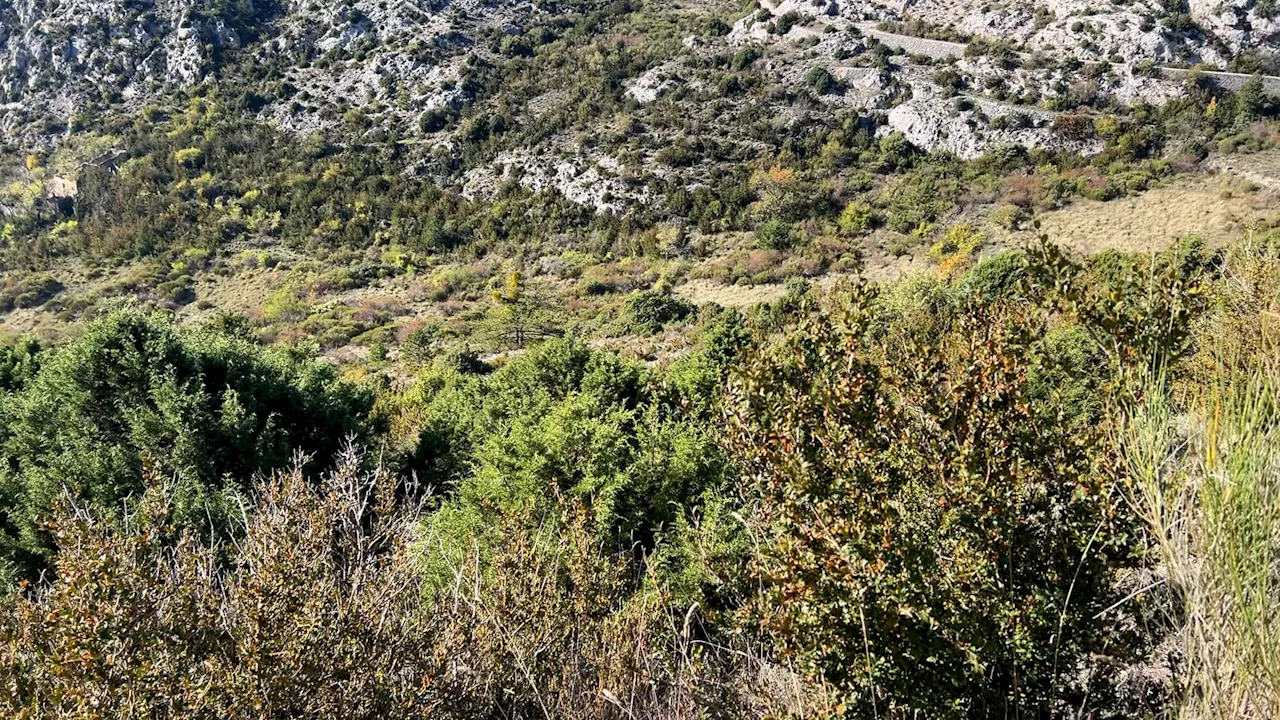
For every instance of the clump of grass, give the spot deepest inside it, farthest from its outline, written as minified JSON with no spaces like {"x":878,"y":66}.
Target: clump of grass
{"x":1208,"y":484}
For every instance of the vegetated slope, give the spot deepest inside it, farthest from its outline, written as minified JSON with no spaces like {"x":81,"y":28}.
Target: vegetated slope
{"x":415,"y":69}
{"x":367,"y":170}
{"x":925,"y":499}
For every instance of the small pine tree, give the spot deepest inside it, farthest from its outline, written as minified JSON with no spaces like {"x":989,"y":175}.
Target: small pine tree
{"x":522,"y":312}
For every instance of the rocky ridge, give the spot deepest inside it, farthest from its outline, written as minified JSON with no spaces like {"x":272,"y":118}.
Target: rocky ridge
{"x":347,"y":69}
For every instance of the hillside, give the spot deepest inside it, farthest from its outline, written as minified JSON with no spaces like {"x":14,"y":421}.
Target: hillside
{"x":397,"y":161}
{"x":620,"y":359}
{"x":515,"y":69}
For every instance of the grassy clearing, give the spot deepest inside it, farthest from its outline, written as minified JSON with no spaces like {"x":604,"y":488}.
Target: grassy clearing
{"x":1216,"y":208}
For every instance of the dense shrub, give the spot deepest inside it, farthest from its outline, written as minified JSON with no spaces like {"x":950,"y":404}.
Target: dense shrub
{"x":318,"y":611}
{"x":956,"y":248}
{"x":27,"y":291}
{"x":696,"y":379}
{"x":996,"y":277}
{"x":913,"y":200}
{"x":650,"y":310}
{"x":19,"y":363}
{"x":133,"y":392}
{"x":856,"y":219}
{"x":1139,"y":309}
{"x":932,"y":523}
{"x":562,"y":419}
{"x":775,"y":234}
{"x":935,"y":546}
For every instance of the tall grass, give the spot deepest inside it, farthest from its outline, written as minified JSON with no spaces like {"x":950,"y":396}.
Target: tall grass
{"x":1207,"y":481}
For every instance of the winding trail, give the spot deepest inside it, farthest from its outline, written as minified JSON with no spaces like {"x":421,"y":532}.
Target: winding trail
{"x":942,"y":49}
{"x":1229,"y":164}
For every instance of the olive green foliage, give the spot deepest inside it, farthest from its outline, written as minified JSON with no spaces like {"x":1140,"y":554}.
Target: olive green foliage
{"x":856,"y":219}
{"x":209,"y":177}
{"x":910,"y":498}
{"x":821,"y":81}
{"x":135,"y":394}
{"x":26,"y":291}
{"x":696,"y":379}
{"x":914,"y":199}
{"x":932,"y":537}
{"x":650,"y":310}
{"x":995,"y":277}
{"x":19,"y":362}
{"x":775,"y":234}
{"x":1139,"y":308}
{"x":931,"y":467}
{"x":421,"y":344}
{"x":560,"y":420}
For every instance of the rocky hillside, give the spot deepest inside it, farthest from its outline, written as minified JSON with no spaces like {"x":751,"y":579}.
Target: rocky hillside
{"x":1213,"y":32}
{"x":608,"y":103}
{"x":62,"y":60}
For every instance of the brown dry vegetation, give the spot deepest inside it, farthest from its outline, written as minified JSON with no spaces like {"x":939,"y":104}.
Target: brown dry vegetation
{"x":1216,"y":208}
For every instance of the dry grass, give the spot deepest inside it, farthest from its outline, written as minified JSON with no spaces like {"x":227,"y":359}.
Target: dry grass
{"x":1216,"y":208}
{"x":1210,"y":493}
{"x":1206,"y":480}
{"x":338,"y":600}
{"x":705,"y":291}
{"x":1264,"y":163}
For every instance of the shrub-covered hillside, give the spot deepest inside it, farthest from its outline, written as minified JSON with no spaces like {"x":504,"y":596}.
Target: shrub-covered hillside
{"x":639,"y":359}
{"x":1039,"y":487}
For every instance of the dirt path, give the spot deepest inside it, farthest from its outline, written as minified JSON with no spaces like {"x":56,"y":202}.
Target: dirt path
{"x":941,"y":50}
{"x":1264,"y":171}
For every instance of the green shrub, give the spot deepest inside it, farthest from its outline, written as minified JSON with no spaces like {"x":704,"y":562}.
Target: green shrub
{"x":284,"y":305}
{"x":19,"y":362}
{"x":559,"y":420}
{"x":995,"y":278}
{"x":421,"y":344}
{"x":188,"y":156}
{"x":696,"y":378}
{"x":649,"y":311}
{"x":745,"y":56}
{"x":856,"y":219}
{"x":820,"y":80}
{"x":786,"y":21}
{"x":913,"y":200}
{"x":134,"y":394}
{"x":934,"y":547}
{"x":27,"y":291}
{"x":961,"y":240}
{"x":1009,"y":216}
{"x":775,"y":234}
